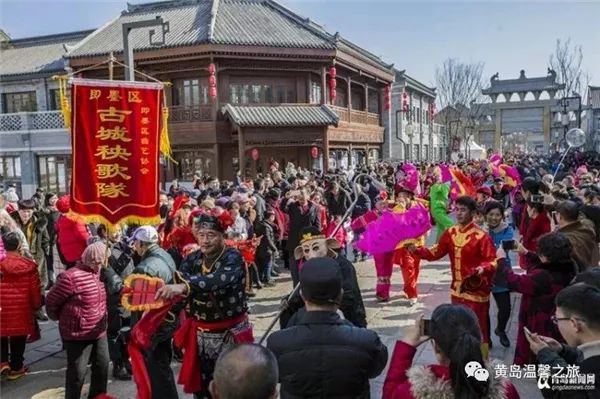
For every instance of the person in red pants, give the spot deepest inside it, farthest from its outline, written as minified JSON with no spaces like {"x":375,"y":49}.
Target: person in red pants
{"x":407,"y":185}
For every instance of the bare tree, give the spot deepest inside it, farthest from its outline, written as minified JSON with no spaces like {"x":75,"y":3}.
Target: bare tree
{"x":567,"y":62}
{"x":458,"y":82}
{"x":458,"y":87}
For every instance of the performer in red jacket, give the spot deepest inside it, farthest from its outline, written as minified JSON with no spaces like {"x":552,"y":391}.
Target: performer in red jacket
{"x":20,"y":297}
{"x":473,"y":261}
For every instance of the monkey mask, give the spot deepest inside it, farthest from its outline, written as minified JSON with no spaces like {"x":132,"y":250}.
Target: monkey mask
{"x":313,"y":244}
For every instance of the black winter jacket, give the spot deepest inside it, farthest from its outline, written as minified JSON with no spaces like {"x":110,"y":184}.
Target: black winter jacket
{"x":337,"y":206}
{"x":323,"y":356}
{"x":299,"y":220}
{"x":352,"y":306}
{"x":268,"y":244}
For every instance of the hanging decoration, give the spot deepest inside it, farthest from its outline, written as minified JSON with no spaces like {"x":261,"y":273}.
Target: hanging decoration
{"x":405,"y":102}
{"x":314,"y":152}
{"x":117,"y":130}
{"x":332,"y":84}
{"x":212,"y":81}
{"x":254,"y":154}
{"x":432,"y":111}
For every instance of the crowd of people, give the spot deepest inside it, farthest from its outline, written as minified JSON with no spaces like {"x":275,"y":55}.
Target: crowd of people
{"x":219,"y":242}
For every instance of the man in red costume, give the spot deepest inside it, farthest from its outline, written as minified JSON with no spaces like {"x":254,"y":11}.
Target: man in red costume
{"x":473,"y":263}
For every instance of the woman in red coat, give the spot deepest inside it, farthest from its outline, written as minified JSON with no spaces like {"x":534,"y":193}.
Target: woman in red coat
{"x":20,"y":298}
{"x":72,"y":235}
{"x":532,"y":228}
{"x":456,"y":340}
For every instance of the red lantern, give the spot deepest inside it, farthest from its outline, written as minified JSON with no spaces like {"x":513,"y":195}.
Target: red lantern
{"x":212,"y":81}
{"x":254,"y":154}
{"x":432,"y":111}
{"x":332,"y":72}
{"x":314,"y":152}
{"x":332,"y":83}
{"x":387,"y":101}
{"x":405,"y":102}
{"x":212,"y":68}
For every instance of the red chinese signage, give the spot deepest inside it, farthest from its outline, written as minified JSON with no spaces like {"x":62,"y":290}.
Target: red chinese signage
{"x":115,"y":130}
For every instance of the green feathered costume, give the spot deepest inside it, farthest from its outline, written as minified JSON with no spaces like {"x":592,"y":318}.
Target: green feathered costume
{"x":438,"y":205}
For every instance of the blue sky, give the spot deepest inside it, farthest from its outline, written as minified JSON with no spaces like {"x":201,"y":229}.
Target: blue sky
{"x":417,"y":36}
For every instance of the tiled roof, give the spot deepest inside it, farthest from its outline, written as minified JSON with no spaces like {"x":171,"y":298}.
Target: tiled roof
{"x":261,"y":23}
{"x":288,"y":115}
{"x":523,"y":85}
{"x":37,"y":55}
{"x":188,"y":25}
{"x":403,"y":79}
{"x":232,"y":22}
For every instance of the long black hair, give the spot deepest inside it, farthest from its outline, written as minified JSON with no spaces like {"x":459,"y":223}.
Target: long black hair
{"x":455,"y":330}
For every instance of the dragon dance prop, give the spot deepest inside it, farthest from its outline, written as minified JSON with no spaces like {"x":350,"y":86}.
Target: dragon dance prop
{"x":459,"y":183}
{"x":438,"y":203}
{"x":138,"y":295}
{"x":391,"y":228}
{"x":246,"y":247}
{"x":508,"y":173}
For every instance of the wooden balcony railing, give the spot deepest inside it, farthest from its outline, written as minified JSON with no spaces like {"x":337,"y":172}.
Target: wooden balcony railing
{"x":356,"y":116}
{"x":197,"y":113}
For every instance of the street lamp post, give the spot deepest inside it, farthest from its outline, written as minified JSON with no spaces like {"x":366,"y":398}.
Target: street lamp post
{"x":565,"y":116}
{"x":128,"y":50}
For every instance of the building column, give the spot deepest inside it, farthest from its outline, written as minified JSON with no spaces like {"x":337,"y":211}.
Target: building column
{"x":367,"y":98}
{"x":547,"y":123}
{"x":325,"y":150}
{"x":349,"y":155}
{"x":498,"y":138}
{"x":349,"y":91}
{"x":217,"y":160}
{"x":323,"y":85}
{"x":29,"y":179}
{"x":241,"y":152}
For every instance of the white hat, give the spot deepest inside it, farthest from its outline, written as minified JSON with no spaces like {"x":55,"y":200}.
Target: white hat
{"x":11,"y":196}
{"x":145,"y":234}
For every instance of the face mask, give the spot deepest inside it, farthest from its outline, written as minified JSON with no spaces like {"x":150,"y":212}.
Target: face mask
{"x":314,"y":249}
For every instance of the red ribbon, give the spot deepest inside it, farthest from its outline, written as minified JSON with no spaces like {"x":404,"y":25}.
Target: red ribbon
{"x":141,"y":340}
{"x":190,"y":375}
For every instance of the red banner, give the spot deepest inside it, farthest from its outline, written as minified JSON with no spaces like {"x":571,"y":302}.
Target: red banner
{"x":115,"y":130}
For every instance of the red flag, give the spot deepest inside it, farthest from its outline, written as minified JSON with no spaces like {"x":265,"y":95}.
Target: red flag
{"x":115,"y":129}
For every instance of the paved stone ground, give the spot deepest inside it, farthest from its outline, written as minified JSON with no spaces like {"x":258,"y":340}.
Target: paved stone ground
{"x":47,"y":361}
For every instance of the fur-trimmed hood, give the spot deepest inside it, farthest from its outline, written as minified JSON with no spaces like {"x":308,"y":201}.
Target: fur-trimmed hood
{"x":428,"y":383}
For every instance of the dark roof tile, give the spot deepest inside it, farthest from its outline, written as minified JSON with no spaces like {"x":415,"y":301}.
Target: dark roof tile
{"x":287,"y":115}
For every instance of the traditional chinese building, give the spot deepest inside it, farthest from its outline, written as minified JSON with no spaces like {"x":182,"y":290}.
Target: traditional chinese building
{"x":251,"y":82}
{"x":34,"y":144}
{"x":413,"y":134}
{"x":522,"y":113}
